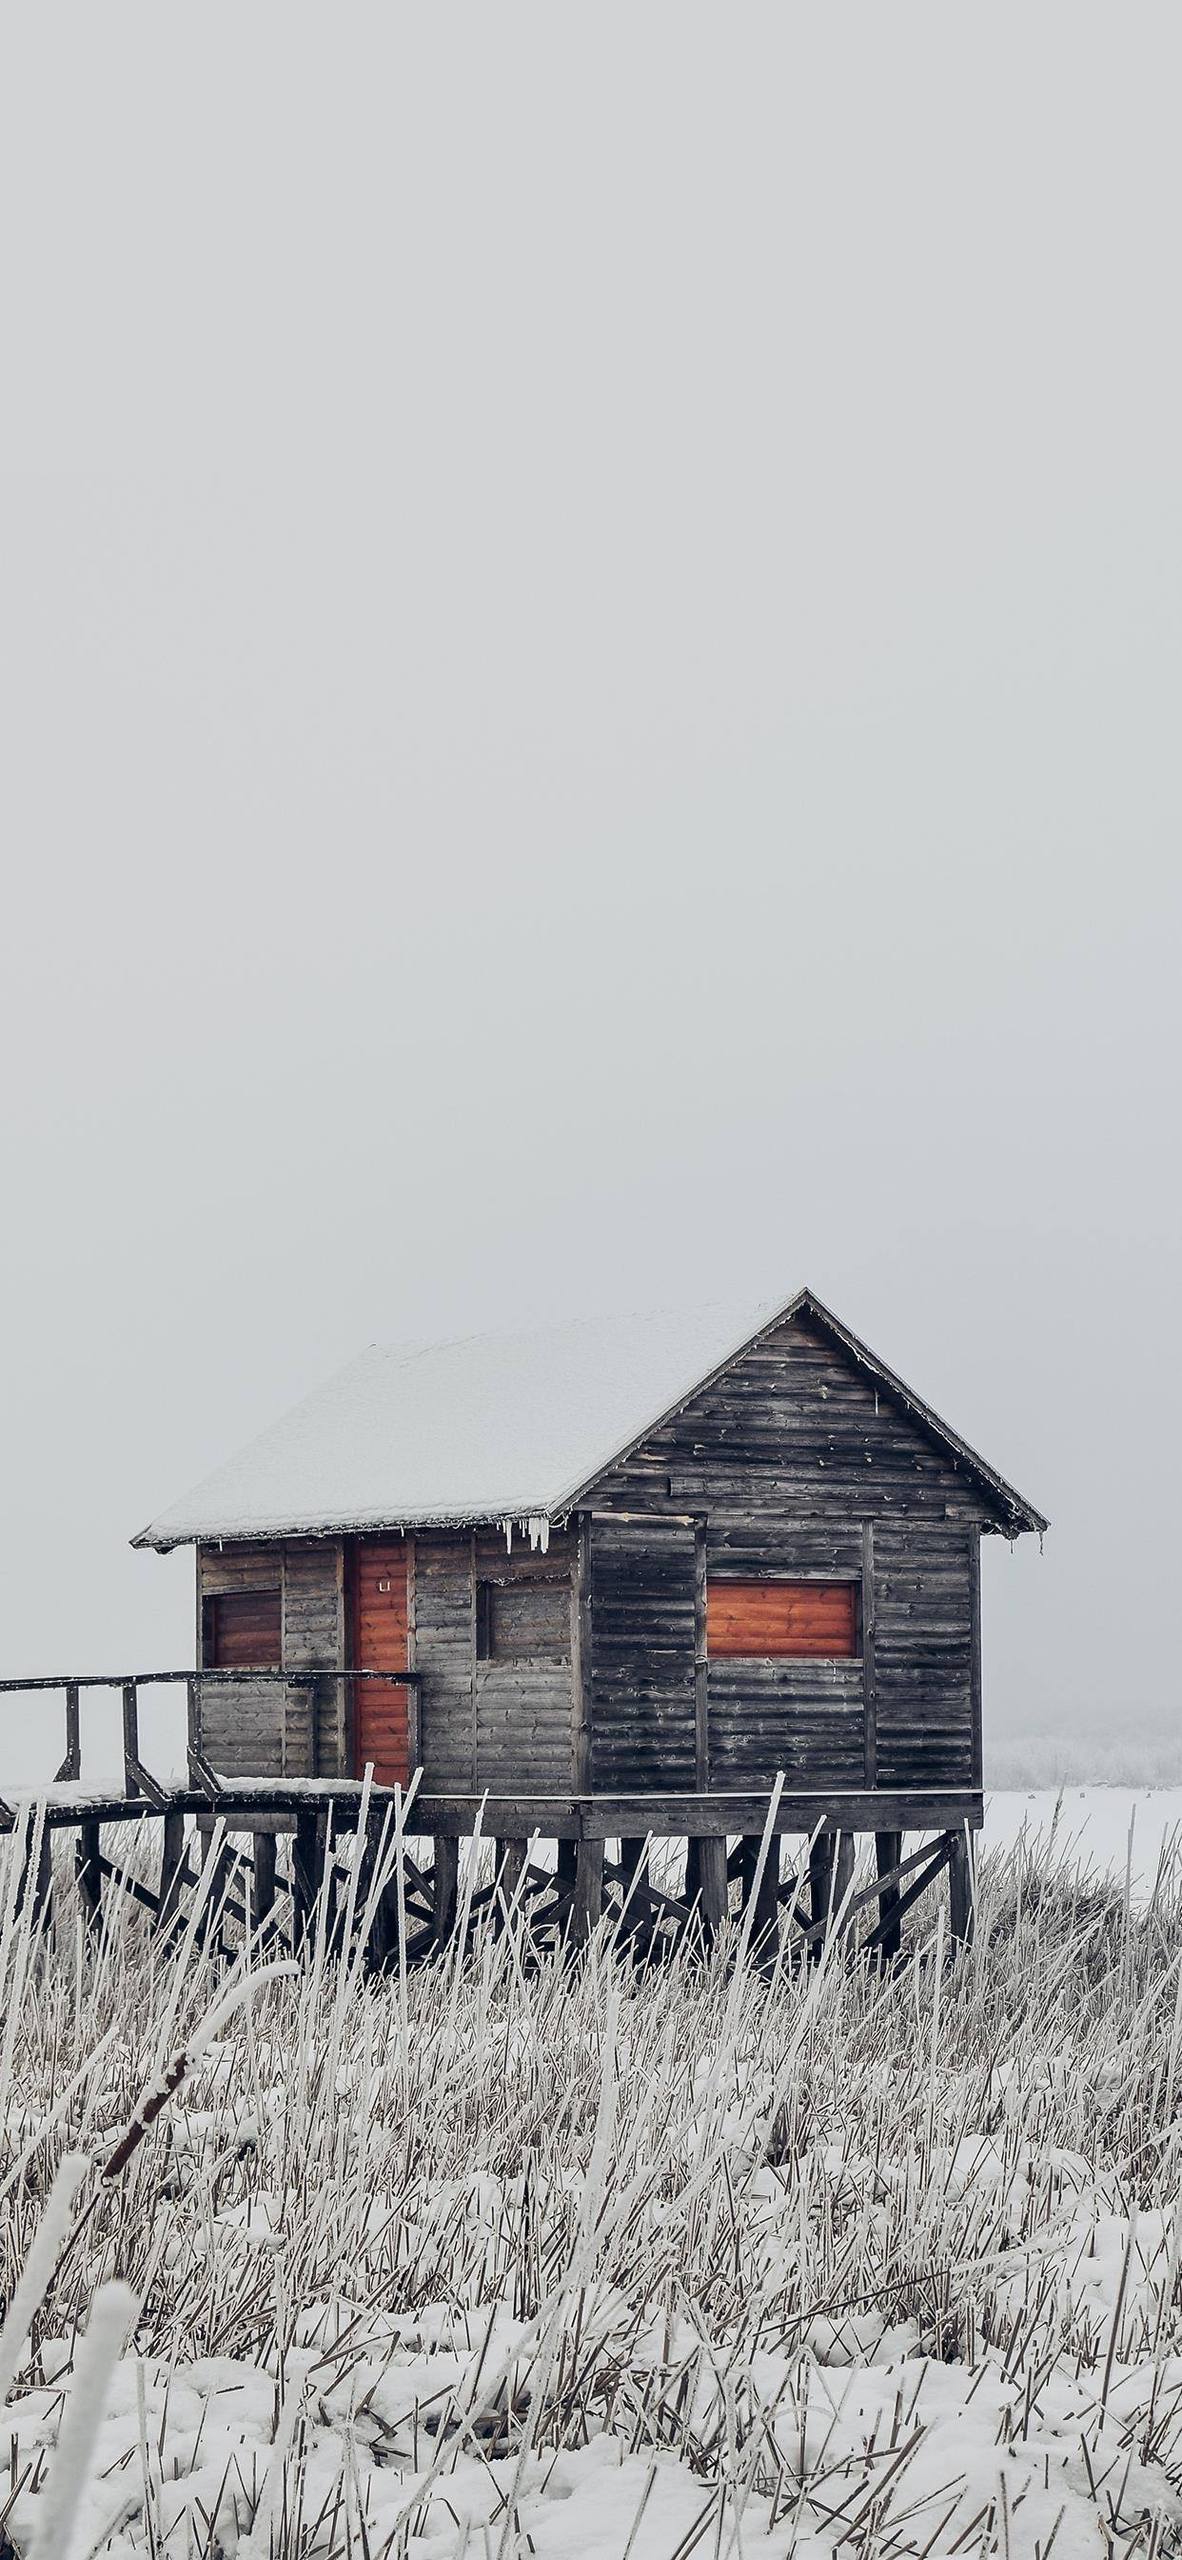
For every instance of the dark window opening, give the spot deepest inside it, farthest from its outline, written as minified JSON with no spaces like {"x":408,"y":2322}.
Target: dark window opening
{"x":523,"y":1621}
{"x":242,"y":1630}
{"x":770,"y":1620}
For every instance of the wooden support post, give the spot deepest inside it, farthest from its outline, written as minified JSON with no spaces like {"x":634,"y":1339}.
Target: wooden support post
{"x":262,"y":1886}
{"x":88,"y":1875}
{"x":888,"y":1854}
{"x":131,"y":1738}
{"x":693,"y":1872}
{"x":306,"y":1871}
{"x":565,"y":1862}
{"x":712,"y":1882}
{"x":588,"y":1902}
{"x":843,"y":1873}
{"x":447,"y":1885}
{"x":172,"y":1868}
{"x":765,"y":1927}
{"x":961,"y":1888}
{"x":510,"y":1857}
{"x":820,"y":1887}
{"x":72,"y":1764}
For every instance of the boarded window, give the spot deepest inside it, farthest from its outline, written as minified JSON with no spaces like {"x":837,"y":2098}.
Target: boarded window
{"x":523,"y":1621}
{"x":773,"y":1618}
{"x":242,"y":1631}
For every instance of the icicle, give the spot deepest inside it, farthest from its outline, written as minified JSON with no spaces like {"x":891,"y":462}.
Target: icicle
{"x":507,"y":1526}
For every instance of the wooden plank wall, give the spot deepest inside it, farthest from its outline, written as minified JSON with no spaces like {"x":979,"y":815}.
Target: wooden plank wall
{"x":788,"y":1460}
{"x":924,"y":1579}
{"x":508,"y":1726}
{"x":314,"y":1637}
{"x":263,"y":1728}
{"x":643,"y":1619}
{"x":445,"y":1654}
{"x":241,"y":1720}
{"x":524,"y":1710}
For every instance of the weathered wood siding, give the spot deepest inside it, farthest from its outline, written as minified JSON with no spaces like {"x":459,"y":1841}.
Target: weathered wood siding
{"x":643,"y":1614}
{"x":313,"y":1640}
{"x":786,"y":1461}
{"x":241,"y":1721}
{"x":270,"y":1728}
{"x":524,"y":1709}
{"x":503,"y":1725}
{"x":923,"y":1651}
{"x":445,"y":1655}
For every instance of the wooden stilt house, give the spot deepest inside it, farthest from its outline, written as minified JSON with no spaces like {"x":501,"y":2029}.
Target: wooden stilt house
{"x":617,"y":1577}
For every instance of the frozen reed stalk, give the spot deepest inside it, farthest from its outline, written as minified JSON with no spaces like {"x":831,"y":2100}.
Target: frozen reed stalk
{"x":33,"y":2282}
{"x":113,"y":2315}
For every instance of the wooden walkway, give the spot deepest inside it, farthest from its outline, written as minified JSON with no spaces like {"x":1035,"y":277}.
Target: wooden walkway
{"x":611,"y":1855}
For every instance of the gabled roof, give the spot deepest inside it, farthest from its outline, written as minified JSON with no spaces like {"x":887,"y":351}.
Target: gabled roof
{"x":505,"y":1427}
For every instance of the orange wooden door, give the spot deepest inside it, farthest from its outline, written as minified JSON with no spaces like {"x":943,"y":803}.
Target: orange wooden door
{"x":381,"y":1728}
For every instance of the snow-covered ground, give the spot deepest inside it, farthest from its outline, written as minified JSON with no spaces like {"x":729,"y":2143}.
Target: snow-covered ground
{"x":1107,"y":1829}
{"x":562,"y":2262}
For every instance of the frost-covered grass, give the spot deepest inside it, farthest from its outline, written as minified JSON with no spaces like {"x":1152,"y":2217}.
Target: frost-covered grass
{"x":581,"y":2261}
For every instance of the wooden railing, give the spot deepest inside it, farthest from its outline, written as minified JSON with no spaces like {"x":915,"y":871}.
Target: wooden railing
{"x":137,"y":1779}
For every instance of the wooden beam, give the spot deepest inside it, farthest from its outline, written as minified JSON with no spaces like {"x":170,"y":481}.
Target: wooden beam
{"x":131,"y":1738}
{"x":765,"y":1926}
{"x":961,"y":1890}
{"x":888,"y":1851}
{"x":588,"y":1901}
{"x":262,"y":1893}
{"x":71,"y":1768}
{"x":939,"y":1859}
{"x":307,"y":1868}
{"x":88,"y":1875}
{"x":712,"y":1883}
{"x":447,"y":1886}
{"x":172,"y":1867}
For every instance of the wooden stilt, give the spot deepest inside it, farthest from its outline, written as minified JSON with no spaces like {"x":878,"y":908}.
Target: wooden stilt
{"x":588,"y":1902}
{"x":693,"y":1871}
{"x":843,"y":1873}
{"x":765,"y":1928}
{"x":88,"y":1875}
{"x":262,"y":1891}
{"x":447,"y":1885}
{"x":961,"y":1889}
{"x":564,"y":1864}
{"x":306,"y":1872}
{"x":712,"y":1883}
{"x":510,"y":1855}
{"x":172,"y":1868}
{"x":888,"y":1854}
{"x":820,"y":1887}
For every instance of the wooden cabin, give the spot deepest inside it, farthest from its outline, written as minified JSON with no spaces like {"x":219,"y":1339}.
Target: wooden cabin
{"x":617,"y":1576}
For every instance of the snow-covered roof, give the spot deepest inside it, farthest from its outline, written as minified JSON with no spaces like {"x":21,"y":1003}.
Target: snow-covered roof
{"x":494,"y":1427}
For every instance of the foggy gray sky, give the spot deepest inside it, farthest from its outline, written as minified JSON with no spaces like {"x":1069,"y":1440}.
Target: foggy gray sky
{"x":590,"y":673}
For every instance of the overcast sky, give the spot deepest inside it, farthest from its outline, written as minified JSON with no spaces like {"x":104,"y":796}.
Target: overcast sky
{"x":589,"y":664}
